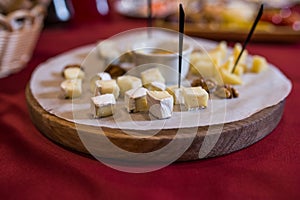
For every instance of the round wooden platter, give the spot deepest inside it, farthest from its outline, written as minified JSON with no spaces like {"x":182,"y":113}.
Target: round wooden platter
{"x":234,"y":136}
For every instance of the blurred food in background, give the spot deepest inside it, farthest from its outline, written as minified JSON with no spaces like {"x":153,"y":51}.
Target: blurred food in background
{"x":232,"y":19}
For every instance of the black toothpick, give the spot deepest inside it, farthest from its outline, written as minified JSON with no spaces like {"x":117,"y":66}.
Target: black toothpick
{"x":181,"y":32}
{"x":249,"y":35}
{"x":149,"y":17}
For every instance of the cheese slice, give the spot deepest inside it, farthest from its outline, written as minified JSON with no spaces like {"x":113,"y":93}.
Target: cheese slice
{"x":128,"y":82}
{"x":151,"y":75}
{"x":195,"y":98}
{"x":103,"y":105}
{"x":135,"y":100}
{"x":176,"y":93}
{"x":107,"y":87}
{"x":98,"y":76}
{"x":160,"y":104}
{"x":73,"y":73}
{"x":72,"y":88}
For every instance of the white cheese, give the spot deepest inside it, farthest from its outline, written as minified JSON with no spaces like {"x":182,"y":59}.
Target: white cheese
{"x":176,"y":93}
{"x":71,"y":88}
{"x":156,"y":86}
{"x":107,"y":87}
{"x":195,"y":98}
{"x":128,"y":82}
{"x":160,"y":104}
{"x":73,"y":73}
{"x":103,"y":105}
{"x":151,"y":75}
{"x":98,"y":76}
{"x":135,"y":100}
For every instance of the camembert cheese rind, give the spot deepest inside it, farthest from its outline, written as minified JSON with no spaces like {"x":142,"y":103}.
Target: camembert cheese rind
{"x":103,"y":105}
{"x":107,"y":87}
{"x":98,"y":76}
{"x":160,"y":104}
{"x":73,"y":73}
{"x":72,"y":88}
{"x":176,"y":93}
{"x":128,"y":82}
{"x":195,"y":98}
{"x":151,"y":75}
{"x":135,"y":100}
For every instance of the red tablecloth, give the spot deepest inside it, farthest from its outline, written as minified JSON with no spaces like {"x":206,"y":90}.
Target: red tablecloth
{"x":32,"y":167}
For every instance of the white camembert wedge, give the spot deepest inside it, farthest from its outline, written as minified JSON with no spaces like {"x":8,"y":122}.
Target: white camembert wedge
{"x":103,"y":105}
{"x":195,"y":98}
{"x":160,"y":104}
{"x":176,"y":93}
{"x":128,"y":82}
{"x":107,"y":87}
{"x":99,"y":76}
{"x":72,"y":88}
{"x":135,"y":100}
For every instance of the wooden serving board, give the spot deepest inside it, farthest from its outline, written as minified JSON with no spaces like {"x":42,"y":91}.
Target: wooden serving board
{"x":235,"y":136}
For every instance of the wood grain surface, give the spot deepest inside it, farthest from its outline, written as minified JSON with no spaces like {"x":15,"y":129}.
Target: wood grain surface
{"x":234,"y":136}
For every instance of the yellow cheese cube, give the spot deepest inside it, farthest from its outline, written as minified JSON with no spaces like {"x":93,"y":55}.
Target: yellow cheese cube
{"x":259,"y":64}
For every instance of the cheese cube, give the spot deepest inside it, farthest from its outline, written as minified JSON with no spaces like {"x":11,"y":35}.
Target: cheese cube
{"x":160,"y":104}
{"x":73,"y":73}
{"x":98,"y":76}
{"x":128,"y":82}
{"x":156,"y":86}
{"x":176,"y":93}
{"x":259,"y":64}
{"x":72,"y":88}
{"x":135,"y":100}
{"x":151,"y":75}
{"x":103,"y":105}
{"x":107,"y":87}
{"x":195,"y":98}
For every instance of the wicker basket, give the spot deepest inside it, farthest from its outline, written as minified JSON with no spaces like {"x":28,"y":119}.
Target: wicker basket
{"x":18,"y":36}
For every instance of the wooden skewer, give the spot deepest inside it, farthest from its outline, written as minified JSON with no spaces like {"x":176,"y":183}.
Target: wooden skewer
{"x":249,"y":35}
{"x":181,"y":32}
{"x":149,"y":17}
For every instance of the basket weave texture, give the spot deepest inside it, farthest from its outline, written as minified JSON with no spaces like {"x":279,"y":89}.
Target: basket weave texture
{"x":19,"y":32}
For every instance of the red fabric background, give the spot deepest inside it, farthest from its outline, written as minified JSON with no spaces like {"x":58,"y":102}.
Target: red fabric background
{"x":32,"y":167}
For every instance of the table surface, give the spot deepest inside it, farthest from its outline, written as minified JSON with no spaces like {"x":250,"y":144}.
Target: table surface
{"x":32,"y":167}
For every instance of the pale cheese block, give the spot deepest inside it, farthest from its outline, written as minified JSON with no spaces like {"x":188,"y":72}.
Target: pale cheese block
{"x":72,"y":88}
{"x":128,"y":82}
{"x":160,"y":104}
{"x":176,"y":93}
{"x":259,"y":64}
{"x":103,"y":105}
{"x":98,"y":76}
{"x":107,"y":87}
{"x":135,"y":100}
{"x":151,"y":75}
{"x":195,"y":98}
{"x":73,"y":73}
